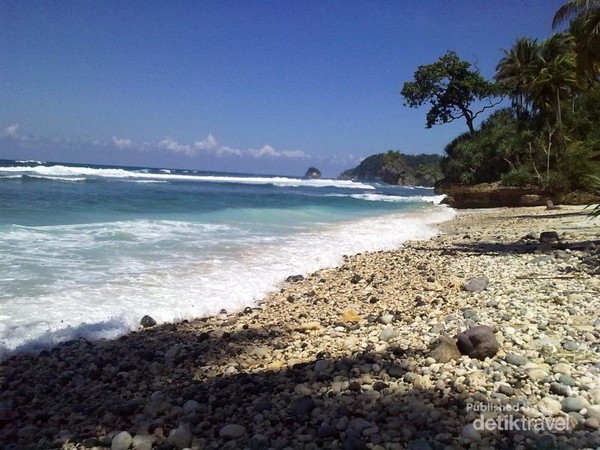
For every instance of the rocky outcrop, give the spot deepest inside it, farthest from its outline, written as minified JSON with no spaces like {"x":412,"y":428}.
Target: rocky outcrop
{"x":398,"y":169}
{"x":493,"y":195}
{"x":313,"y":173}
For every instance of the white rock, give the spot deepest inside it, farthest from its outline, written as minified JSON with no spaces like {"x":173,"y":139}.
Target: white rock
{"x":594,"y":396}
{"x":121,"y":441}
{"x":537,"y":374}
{"x":549,"y":406}
{"x":562,"y":368}
{"x":143,"y":441}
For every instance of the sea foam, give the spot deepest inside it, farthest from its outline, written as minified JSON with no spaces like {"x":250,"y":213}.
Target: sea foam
{"x":107,"y":286}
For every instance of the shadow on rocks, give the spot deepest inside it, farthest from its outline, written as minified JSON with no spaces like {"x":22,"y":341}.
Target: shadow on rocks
{"x":233,"y":390}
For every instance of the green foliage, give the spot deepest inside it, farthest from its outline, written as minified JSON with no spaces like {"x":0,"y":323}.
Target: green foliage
{"x":488,"y":153}
{"x":394,"y":167}
{"x":518,"y":177}
{"x":550,"y":136}
{"x":452,"y":88}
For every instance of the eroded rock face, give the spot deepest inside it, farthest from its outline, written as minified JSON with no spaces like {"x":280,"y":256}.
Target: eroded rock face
{"x":478,"y":342}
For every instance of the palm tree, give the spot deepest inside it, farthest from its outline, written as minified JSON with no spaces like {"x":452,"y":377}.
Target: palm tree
{"x":584,"y":18}
{"x":516,"y":71}
{"x":555,"y":79}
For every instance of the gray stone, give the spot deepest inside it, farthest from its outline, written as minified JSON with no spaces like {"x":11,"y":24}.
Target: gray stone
{"x":359,"y":424}
{"x":469,"y":432}
{"x":232,"y":431}
{"x":181,"y":437}
{"x":477,"y":284}
{"x":469,"y":314}
{"x":396,"y":371}
{"x":302,"y":407}
{"x":592,"y":423}
{"x":516,"y":360}
{"x":419,"y":444}
{"x":121,"y":441}
{"x":126,"y":408}
{"x":445,"y":350}
{"x":548,"y":237}
{"x":570,"y":346}
{"x":321,"y":365}
{"x":560,"y":389}
{"x":327,"y":432}
{"x":190,"y":407}
{"x":572,"y":404}
{"x":567,"y":380}
{"x":506,"y":389}
{"x":387,"y":334}
{"x":157,"y":407}
{"x":478,"y":342}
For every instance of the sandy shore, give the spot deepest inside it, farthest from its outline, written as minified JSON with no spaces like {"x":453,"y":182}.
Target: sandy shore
{"x":343,"y":358}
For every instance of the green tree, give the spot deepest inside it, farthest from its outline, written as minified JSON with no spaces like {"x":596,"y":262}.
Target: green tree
{"x":556,"y":79}
{"x":584,"y":18}
{"x":453,"y":89}
{"x":516,"y":71}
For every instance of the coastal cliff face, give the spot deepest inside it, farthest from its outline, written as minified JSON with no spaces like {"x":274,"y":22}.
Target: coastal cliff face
{"x":398,"y":169}
{"x":493,"y":195}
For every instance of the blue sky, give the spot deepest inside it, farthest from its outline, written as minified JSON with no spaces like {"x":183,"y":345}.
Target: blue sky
{"x":245,"y":86}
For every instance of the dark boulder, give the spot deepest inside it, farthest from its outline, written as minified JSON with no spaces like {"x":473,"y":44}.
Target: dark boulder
{"x":548,"y":237}
{"x":478,"y":342}
{"x":294,"y":278}
{"x":147,"y":322}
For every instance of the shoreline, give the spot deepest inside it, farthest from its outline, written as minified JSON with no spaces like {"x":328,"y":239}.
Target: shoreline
{"x":341,"y":358}
{"x":316,"y":248}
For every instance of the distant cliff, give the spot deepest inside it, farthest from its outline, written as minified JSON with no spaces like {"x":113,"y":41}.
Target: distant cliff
{"x":396,"y":168}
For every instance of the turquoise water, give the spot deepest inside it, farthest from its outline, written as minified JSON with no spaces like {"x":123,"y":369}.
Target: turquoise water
{"x":88,"y":250}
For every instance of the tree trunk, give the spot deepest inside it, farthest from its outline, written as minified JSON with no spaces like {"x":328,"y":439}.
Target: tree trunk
{"x":469,"y":120}
{"x":558,"y":112}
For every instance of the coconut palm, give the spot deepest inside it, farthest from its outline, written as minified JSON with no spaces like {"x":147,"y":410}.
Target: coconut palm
{"x":516,"y":71}
{"x":584,"y":18}
{"x":555,"y":79}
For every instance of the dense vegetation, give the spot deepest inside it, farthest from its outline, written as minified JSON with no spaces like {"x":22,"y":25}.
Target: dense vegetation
{"x":397,"y":168}
{"x":549,"y":137}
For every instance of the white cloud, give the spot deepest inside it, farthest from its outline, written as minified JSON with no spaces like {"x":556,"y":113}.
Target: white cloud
{"x":11,"y":130}
{"x":269,"y":151}
{"x":265,"y":150}
{"x":295,"y":154}
{"x":174,"y":146}
{"x":122,"y":142}
{"x":224,"y":150}
{"x":209,"y":143}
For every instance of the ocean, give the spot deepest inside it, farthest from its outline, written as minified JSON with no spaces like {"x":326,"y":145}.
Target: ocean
{"x":86,"y":251}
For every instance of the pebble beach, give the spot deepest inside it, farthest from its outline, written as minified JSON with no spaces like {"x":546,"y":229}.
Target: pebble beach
{"x":359,"y":356}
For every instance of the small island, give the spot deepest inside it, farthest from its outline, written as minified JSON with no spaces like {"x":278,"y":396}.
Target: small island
{"x":313,"y":173}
